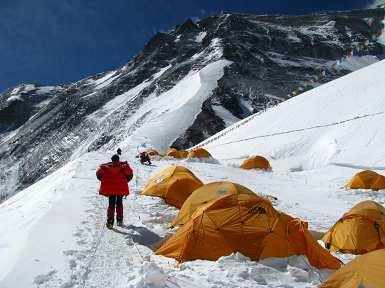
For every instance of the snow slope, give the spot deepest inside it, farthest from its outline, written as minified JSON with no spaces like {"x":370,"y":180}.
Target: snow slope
{"x":53,"y":233}
{"x":168,"y":115}
{"x":336,"y":123}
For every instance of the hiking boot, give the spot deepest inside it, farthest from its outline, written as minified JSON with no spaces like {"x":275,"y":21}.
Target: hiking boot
{"x":119,"y":222}
{"x":110,"y":223}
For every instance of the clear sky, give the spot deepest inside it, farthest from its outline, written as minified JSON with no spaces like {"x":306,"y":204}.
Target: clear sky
{"x":59,"y":41}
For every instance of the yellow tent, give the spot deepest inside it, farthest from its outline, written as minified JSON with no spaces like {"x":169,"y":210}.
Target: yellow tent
{"x":183,"y":153}
{"x":207,"y":194}
{"x":153,"y":152}
{"x":364,"y":271}
{"x":199,"y":153}
{"x":174,"y":184}
{"x":359,"y":231}
{"x":172,"y":152}
{"x":247,"y":224}
{"x":367,"y":180}
{"x":258,"y":162}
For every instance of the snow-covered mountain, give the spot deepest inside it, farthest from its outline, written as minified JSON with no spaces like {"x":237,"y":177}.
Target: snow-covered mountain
{"x":214,"y":72}
{"x":339,"y":123}
{"x":53,"y":235}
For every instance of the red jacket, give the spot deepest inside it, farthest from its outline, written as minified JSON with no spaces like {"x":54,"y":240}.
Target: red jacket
{"x":114,"y":178}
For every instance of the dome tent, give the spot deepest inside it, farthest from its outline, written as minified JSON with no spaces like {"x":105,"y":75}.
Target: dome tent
{"x":183,"y":153}
{"x":256,"y":162}
{"x":199,"y":153}
{"x":174,"y":184}
{"x":153,"y":152}
{"x":360,"y":230}
{"x":207,"y":194}
{"x":246,"y":224}
{"x":172,"y":152}
{"x":364,"y":271}
{"x":367,"y":180}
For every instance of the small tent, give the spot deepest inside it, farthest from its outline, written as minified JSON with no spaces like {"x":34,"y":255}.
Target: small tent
{"x":207,"y":194}
{"x":183,"y":153}
{"x":364,"y":271}
{"x":256,"y":162}
{"x":246,"y":224}
{"x":199,"y":153}
{"x":172,"y":152}
{"x":367,"y":180}
{"x":174,"y":184}
{"x":360,"y":230}
{"x":153,"y":152}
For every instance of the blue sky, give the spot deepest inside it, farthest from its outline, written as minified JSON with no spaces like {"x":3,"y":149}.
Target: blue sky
{"x":59,"y":41}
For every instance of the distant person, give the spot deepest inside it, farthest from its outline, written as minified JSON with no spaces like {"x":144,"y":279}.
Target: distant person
{"x":144,"y":158}
{"x":119,"y":152}
{"x":114,"y":177}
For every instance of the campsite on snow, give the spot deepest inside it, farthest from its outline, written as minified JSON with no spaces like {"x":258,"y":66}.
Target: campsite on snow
{"x":220,"y":185}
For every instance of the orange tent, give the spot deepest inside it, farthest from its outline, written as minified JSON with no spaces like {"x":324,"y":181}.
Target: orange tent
{"x":207,"y":194}
{"x":172,"y":152}
{"x":174,"y":184}
{"x":183,"y":153}
{"x":153,"y":152}
{"x":359,"y":231}
{"x":258,"y":162}
{"x":367,"y":180}
{"x":199,"y":153}
{"x":364,"y":271}
{"x":247,"y":224}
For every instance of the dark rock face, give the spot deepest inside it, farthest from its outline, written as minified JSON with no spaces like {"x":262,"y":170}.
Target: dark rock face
{"x":281,"y":56}
{"x":273,"y":58}
{"x":17,"y":105}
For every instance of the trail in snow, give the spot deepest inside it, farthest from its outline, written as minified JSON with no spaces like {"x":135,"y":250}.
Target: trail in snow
{"x":78,"y":251}
{"x":297,"y":130}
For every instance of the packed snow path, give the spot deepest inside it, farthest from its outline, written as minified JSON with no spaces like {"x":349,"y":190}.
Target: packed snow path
{"x":54,"y":232}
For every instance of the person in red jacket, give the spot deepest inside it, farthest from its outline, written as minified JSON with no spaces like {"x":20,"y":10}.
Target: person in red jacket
{"x":114,"y":177}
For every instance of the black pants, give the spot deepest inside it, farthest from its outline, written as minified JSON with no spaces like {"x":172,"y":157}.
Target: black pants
{"x":115,"y":202}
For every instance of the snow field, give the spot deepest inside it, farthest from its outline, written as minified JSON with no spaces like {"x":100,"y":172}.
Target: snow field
{"x":336,"y":123}
{"x":66,"y":244}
